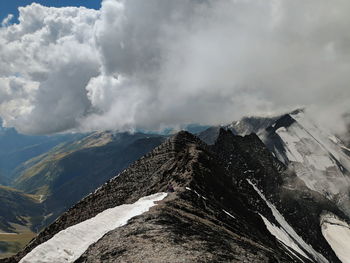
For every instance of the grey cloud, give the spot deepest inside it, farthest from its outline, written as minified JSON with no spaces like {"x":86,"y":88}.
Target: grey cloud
{"x":159,"y":63}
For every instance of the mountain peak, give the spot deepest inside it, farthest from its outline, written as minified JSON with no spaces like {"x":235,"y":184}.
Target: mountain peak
{"x":184,"y":138}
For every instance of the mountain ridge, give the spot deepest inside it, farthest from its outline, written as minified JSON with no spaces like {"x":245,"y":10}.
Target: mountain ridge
{"x":211,"y":194}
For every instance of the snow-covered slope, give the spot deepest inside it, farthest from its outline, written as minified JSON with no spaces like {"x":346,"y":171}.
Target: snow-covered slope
{"x":69,"y":244}
{"x":320,"y":159}
{"x":316,"y":156}
{"x":337,"y":234}
{"x":318,"y":169}
{"x":285,"y":233}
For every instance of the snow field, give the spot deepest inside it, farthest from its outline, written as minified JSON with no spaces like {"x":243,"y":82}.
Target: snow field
{"x":69,"y":244}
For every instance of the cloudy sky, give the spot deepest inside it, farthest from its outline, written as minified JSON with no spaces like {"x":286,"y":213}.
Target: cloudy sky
{"x":11,"y":7}
{"x":153,"y":64}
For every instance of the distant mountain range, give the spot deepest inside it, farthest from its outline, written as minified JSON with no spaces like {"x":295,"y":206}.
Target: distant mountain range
{"x":16,"y":148}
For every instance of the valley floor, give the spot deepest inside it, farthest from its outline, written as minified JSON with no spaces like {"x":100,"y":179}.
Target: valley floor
{"x":11,"y":243}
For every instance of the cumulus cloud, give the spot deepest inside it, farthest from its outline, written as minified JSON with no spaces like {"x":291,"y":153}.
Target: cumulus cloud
{"x":54,"y":48}
{"x":6,"y":21}
{"x":138,"y":64}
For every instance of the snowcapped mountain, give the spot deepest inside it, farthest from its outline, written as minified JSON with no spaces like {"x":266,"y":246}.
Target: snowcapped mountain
{"x":233,"y":202}
{"x":320,"y":159}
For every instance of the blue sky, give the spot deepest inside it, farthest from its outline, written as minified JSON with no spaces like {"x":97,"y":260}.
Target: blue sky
{"x":11,"y":6}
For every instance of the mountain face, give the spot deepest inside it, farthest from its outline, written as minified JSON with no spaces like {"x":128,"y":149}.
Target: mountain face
{"x":319,"y":159}
{"x":233,"y":202}
{"x":17,"y":148}
{"x":16,"y":208}
{"x":68,"y":172}
{"x":17,"y":212}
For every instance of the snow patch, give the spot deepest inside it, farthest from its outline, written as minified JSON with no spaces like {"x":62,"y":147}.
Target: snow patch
{"x":69,"y":244}
{"x":199,"y":195}
{"x":288,"y":229}
{"x":337,"y":234}
{"x":291,"y":144}
{"x":345,"y":148}
{"x":334,"y":139}
{"x":227,"y":213}
{"x":293,"y":252}
{"x":283,"y":236}
{"x":319,"y":162}
{"x":322,"y":138}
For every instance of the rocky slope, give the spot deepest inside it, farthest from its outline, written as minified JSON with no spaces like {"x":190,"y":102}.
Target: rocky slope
{"x":233,"y":202}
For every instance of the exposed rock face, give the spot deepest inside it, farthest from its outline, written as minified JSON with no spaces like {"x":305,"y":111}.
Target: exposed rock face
{"x":216,"y":213}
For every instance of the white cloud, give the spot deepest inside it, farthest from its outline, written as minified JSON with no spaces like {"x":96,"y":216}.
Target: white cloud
{"x":157,"y":63}
{"x":6,"y":21}
{"x":53,"y":47}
